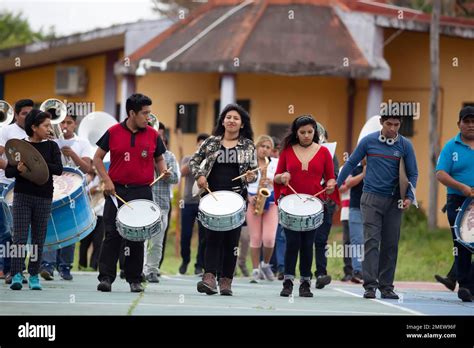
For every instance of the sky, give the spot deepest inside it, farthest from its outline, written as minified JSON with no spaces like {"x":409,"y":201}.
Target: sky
{"x":73,"y":16}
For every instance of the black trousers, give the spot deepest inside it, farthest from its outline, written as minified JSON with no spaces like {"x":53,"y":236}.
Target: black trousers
{"x":95,"y":238}
{"x":302,"y":243}
{"x":221,"y":252}
{"x":111,"y":246}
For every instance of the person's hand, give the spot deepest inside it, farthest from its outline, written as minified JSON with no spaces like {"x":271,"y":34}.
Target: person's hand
{"x":202,"y":182}
{"x":252,"y":200}
{"x":467,"y":191}
{"x":67,"y":151}
{"x":249,"y":176}
{"x":330,"y":186}
{"x":268,"y":182}
{"x":285,"y":178}
{"x":109,"y":188}
{"x":167,"y":174}
{"x":21,"y":167}
{"x":406,"y":204}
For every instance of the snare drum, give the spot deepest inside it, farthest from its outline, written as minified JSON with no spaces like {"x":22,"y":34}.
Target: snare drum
{"x":301,"y":215}
{"x":225,"y":214}
{"x":72,"y":217}
{"x":140,"y":223}
{"x":464,"y":226}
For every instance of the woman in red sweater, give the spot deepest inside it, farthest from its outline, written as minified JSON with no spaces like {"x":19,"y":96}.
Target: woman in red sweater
{"x":303,"y":163}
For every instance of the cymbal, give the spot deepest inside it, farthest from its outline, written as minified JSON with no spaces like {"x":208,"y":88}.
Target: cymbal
{"x":37,"y":169}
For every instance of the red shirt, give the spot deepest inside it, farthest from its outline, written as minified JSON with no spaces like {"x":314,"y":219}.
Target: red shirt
{"x":306,"y":181}
{"x":132,"y":155}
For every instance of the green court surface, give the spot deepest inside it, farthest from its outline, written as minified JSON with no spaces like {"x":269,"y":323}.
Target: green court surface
{"x":177,"y":295}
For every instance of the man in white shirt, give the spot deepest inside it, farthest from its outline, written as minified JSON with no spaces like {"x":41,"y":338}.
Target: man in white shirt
{"x":78,"y":154}
{"x":12,"y":131}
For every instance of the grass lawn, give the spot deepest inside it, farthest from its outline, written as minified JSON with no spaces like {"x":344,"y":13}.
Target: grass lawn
{"x":421,"y":253}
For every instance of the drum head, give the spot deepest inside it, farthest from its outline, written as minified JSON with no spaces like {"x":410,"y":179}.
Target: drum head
{"x":144,"y":213}
{"x":292,"y":204}
{"x":467,"y":224}
{"x":227,"y":203}
{"x":66,"y":183}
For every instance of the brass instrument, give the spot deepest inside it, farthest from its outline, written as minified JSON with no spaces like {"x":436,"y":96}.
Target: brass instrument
{"x":6,"y":113}
{"x":262,"y":192}
{"x":153,"y":122}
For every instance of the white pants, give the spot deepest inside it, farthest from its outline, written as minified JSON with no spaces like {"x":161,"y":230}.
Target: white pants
{"x":154,"y":248}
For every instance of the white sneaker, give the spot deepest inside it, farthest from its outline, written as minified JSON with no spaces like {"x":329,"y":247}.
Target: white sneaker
{"x":267,"y":271}
{"x":255,"y":276}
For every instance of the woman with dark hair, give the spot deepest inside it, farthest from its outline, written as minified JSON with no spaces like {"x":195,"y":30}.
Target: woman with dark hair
{"x":303,"y":163}
{"x":229,"y":153}
{"x":32,"y":202}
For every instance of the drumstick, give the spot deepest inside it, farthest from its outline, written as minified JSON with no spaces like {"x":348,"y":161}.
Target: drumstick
{"x":292,"y":189}
{"x":123,"y":201}
{"x":212,"y":194}
{"x":158,"y":178}
{"x":316,"y":194}
{"x":248,"y":171}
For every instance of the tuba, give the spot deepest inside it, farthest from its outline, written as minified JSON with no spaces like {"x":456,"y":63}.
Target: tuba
{"x":6,"y":113}
{"x":262,"y":192}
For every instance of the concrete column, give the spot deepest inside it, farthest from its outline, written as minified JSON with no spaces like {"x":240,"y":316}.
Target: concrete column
{"x":227,"y":90}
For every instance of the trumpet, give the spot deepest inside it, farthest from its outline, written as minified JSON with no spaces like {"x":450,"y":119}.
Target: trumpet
{"x":6,"y":113}
{"x":58,"y":111}
{"x":153,"y":122}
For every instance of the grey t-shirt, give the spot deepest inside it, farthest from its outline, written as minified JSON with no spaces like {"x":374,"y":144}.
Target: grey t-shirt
{"x":188,"y":184}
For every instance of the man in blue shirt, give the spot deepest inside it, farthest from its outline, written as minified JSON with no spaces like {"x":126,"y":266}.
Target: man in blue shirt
{"x":382,"y":203}
{"x":455,"y":170}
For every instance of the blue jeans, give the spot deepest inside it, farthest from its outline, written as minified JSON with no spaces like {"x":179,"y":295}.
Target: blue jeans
{"x":5,"y":230}
{"x":280,"y":246}
{"x":356,"y":233}
{"x":59,"y":259}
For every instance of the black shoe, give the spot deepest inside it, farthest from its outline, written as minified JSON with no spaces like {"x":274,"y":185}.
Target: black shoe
{"x":465,"y":295}
{"x":346,"y":278}
{"x":322,"y":281}
{"x":447,"y":282}
{"x":8,"y":278}
{"x":198,"y":271}
{"x":281,"y":275}
{"x":105,"y":286}
{"x":136,"y":287}
{"x":305,"y":289}
{"x":47,"y":274}
{"x":122,"y":274}
{"x":357,"y":278}
{"x":287,"y":288}
{"x":183,"y":268}
{"x":66,"y":273}
{"x":389,"y":294}
{"x":369,"y":293}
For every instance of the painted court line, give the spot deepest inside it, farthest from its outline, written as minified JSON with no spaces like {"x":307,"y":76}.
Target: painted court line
{"x":411,"y":311}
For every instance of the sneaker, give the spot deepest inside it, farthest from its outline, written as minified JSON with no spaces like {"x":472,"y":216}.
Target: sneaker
{"x":152,"y":278}
{"x":47,"y":273}
{"x":305,"y":289}
{"x":8,"y":278}
{"x":122,"y":274}
{"x":104,"y":286}
{"x":287,"y":288}
{"x":35,"y":283}
{"x":198,"y":271}
{"x":357,"y":277}
{"x":322,"y":281}
{"x":208,"y":284}
{"x":369,"y":293}
{"x":255,"y":276}
{"x":24,"y":281}
{"x":65,"y":273}
{"x":389,"y":294}
{"x":225,"y":286}
{"x":183,"y":268}
{"x":464,"y":295}
{"x":346,"y":278}
{"x":136,"y":287}
{"x":267,"y":271}
{"x":281,"y":275}
{"x":446,"y":281}
{"x":17,"y":281}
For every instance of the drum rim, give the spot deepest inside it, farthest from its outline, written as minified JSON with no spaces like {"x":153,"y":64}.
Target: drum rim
{"x":457,"y":223}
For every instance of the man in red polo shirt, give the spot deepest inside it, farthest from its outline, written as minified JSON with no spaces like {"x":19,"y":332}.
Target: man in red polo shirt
{"x":136,"y":150}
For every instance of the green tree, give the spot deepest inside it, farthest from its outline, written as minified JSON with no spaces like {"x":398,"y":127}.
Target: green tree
{"x":15,"y":30}
{"x":172,"y":8}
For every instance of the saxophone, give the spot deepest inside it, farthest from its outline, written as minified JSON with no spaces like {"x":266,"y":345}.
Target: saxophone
{"x":262,"y":192}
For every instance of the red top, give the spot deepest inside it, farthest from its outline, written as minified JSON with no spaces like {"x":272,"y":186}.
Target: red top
{"x":132,"y":155}
{"x":306,"y":181}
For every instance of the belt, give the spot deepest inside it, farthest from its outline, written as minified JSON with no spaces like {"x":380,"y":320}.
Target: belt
{"x":130,"y":185}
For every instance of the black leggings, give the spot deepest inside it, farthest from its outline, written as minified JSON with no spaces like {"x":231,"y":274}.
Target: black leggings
{"x":221,"y":252}
{"x":301,"y":242}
